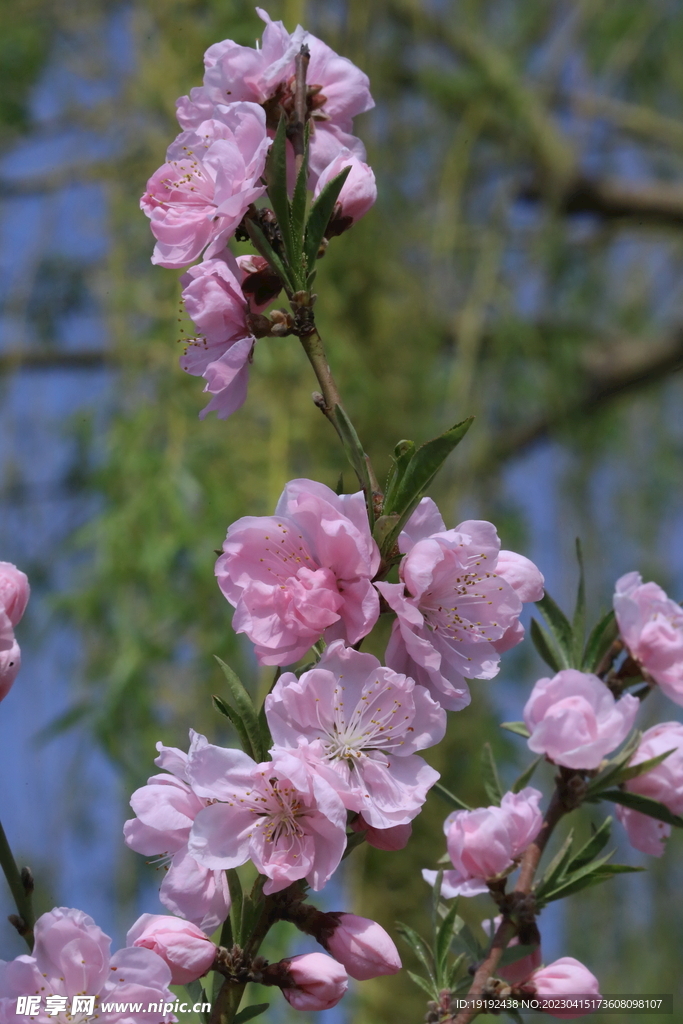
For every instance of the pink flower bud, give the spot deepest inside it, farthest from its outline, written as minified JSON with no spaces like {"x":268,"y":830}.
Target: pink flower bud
{"x":358,"y":193}
{"x":14,"y":591}
{"x":319,"y":982}
{"x":564,"y":977}
{"x":184,"y":947}
{"x":363,"y":947}
{"x":664,"y":783}
{"x":394,"y":838}
{"x":574,"y":719}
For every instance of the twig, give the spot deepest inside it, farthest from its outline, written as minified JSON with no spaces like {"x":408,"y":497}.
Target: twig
{"x":21,"y":887}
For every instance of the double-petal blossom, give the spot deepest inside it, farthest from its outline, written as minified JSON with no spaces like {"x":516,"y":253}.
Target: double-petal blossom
{"x":663,"y":783}
{"x":285,"y":819}
{"x":652,"y":627}
{"x":166,"y":808}
{"x":301,"y":573}
{"x":211,"y":176}
{"x":457,"y":605}
{"x":363,"y":724}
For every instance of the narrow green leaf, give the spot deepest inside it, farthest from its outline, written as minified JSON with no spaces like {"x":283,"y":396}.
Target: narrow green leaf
{"x":403,"y":453}
{"x":237,"y":903}
{"x":579,"y":620}
{"x":356,"y":456}
{"x":612,"y":769}
{"x":514,"y":953}
{"x":276,"y":179}
{"x":236,"y":722}
{"x":444,"y":937}
{"x":436,"y":897}
{"x":249,"y":1012}
{"x":298,"y":207}
{"x":556,"y":868}
{"x":489,"y":775}
{"x":241,"y":703}
{"x":525,"y":777}
{"x":266,"y":250}
{"x":466,"y":937}
{"x":644,"y":804}
{"x":420,"y":948}
{"x":450,"y":798}
{"x":599,"y":642}
{"x":517,"y":727}
{"x":454,"y":968}
{"x":592,"y":874}
{"x":560,"y":627}
{"x":197,"y":994}
{"x":592,"y":847}
{"x":545,"y":647}
{"x":320,"y":214}
{"x":634,"y":770}
{"x":431,"y":990}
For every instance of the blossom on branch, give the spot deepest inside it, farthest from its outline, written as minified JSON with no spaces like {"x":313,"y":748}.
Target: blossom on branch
{"x":575,"y":721}
{"x":14,"y":595}
{"x":363,"y":724}
{"x":457,"y":605}
{"x":314,"y":981}
{"x":185,"y":948}
{"x":664,"y":783}
{"x":71,"y":958}
{"x":565,"y":977}
{"x":211,"y":176}
{"x":300,"y":574}
{"x":358,"y":194}
{"x":486,"y":842}
{"x":362,"y":946}
{"x":651,"y":625}
{"x":165,"y":809}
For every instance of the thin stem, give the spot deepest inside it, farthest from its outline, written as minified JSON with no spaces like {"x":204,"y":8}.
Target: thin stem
{"x":21,"y":892}
{"x":313,"y":347}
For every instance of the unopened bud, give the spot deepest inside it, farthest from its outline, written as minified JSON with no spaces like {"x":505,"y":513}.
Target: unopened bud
{"x":313,"y":981}
{"x":182,"y":945}
{"x":362,"y":946}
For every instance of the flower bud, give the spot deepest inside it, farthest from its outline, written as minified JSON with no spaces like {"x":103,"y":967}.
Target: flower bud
{"x":317,"y":982}
{"x":664,"y":783}
{"x":14,"y":591}
{"x":363,"y":947}
{"x":10,"y":655}
{"x":184,"y":947}
{"x":358,"y":193}
{"x":564,"y":977}
{"x":394,"y":838}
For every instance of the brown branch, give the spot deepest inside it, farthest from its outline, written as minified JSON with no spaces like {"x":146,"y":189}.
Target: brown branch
{"x":35,"y":359}
{"x":649,"y":203}
{"x":298,"y":127}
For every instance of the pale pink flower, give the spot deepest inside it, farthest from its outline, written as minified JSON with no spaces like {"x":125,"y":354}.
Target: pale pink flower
{"x":366,"y":722}
{"x":180,"y":944}
{"x":211,"y":176}
{"x":289,"y":829}
{"x":165,"y":809}
{"x":71,"y":958}
{"x":338,"y":90}
{"x":14,"y":592}
{"x":317,"y":981}
{"x":389,"y":839}
{"x":363,"y":947}
{"x":10,"y":655}
{"x":565,"y":977}
{"x":302,"y":573}
{"x":486,"y":842}
{"x":455,"y":609}
{"x":574,"y":719}
{"x":358,"y":194}
{"x":664,"y":783}
{"x":651,"y":625}
{"x":519,"y":970}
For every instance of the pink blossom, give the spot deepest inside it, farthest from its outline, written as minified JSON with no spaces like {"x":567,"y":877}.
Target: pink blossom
{"x":389,"y":839}
{"x":71,"y":957}
{"x":184,"y":947}
{"x":165,"y":809}
{"x":14,"y":592}
{"x":652,"y":627}
{"x":366,"y":722}
{"x":455,"y":610}
{"x":519,"y":970}
{"x":564,"y":977}
{"x":10,"y":655}
{"x":289,"y":829}
{"x":302,"y":573}
{"x":574,"y":719}
{"x":486,"y":842}
{"x":338,"y":90}
{"x":211,"y":176}
{"x":664,"y":783}
{"x":363,"y":947}
{"x":358,"y":194}
{"x":317,"y":981}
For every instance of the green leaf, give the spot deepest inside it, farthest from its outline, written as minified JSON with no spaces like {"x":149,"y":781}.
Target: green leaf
{"x":546,"y":647}
{"x":579,"y":620}
{"x":235,"y":721}
{"x":450,"y":798}
{"x":644,"y":804}
{"x":444,"y":937}
{"x":276,"y":179}
{"x":560,"y":627}
{"x":431,"y":990}
{"x":403,"y":453}
{"x":241,"y":704}
{"x":612,"y":769}
{"x":634,"y":770}
{"x":514,"y":953}
{"x":489,"y":774}
{"x":320,"y":214}
{"x":592,"y":874}
{"x":236,"y":903}
{"x":356,"y":456}
{"x":266,"y":250}
{"x":454,"y":968}
{"x":592,"y":847}
{"x":525,"y":777}
{"x":197,"y":994}
{"x":421,"y":470}
{"x":298,"y":207}
{"x":555,"y":870}
{"x":436,"y":896}
{"x":385,"y":527}
{"x":599,"y":642}
{"x":517,"y":727}
{"x":420,"y":948}
{"x":249,"y":1012}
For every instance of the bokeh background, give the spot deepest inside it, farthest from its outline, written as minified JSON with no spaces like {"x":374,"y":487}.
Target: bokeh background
{"x":522,"y":264}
